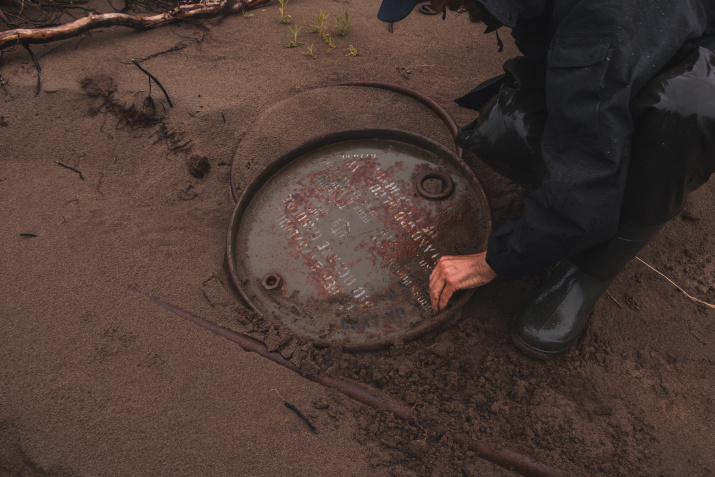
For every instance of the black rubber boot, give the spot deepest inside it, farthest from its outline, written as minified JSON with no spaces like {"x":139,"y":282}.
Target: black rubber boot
{"x":555,"y":318}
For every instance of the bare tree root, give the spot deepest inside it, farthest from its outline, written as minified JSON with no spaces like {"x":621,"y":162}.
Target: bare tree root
{"x":26,"y":36}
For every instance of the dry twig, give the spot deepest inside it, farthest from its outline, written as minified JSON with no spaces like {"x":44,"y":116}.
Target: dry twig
{"x":614,"y":300}
{"x":696,"y":300}
{"x":70,"y":168}
{"x":25,"y":36}
{"x":155,"y":81}
{"x":417,"y":422}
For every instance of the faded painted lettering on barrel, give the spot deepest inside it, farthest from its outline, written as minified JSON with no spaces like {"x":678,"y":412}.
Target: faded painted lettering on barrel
{"x":303,"y":223}
{"x":353,"y":239}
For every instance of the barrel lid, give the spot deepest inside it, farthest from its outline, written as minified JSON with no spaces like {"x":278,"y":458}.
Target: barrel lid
{"x":337,"y":237}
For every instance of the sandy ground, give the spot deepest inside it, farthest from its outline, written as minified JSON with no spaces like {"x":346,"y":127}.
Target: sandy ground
{"x":95,"y":379}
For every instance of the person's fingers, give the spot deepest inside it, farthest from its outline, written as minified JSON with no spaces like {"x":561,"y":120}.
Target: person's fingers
{"x":444,"y":297}
{"x":454,"y":273}
{"x":434,"y":276}
{"x":437,"y":284}
{"x":436,"y":290}
{"x":440,"y":268}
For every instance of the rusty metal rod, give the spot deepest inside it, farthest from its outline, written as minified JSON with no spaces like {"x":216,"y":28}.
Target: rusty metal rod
{"x":502,"y":456}
{"x":414,"y":94}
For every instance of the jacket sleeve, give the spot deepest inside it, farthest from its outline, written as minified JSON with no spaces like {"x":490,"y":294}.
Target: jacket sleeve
{"x":595,"y":64}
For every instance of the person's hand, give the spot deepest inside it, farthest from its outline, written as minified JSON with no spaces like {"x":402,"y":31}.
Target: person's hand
{"x":458,"y":272}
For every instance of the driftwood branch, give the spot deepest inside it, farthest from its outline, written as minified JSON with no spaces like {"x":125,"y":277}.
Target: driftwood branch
{"x":24,"y":36}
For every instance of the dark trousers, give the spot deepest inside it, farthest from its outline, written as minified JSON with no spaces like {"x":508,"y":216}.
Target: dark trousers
{"x":673,"y":147}
{"x":673,"y":150}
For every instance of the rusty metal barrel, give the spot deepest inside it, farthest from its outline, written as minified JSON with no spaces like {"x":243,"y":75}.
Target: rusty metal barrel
{"x":336,"y":238}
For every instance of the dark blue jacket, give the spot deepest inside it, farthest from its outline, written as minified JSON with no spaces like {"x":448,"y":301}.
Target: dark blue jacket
{"x":598,"y":54}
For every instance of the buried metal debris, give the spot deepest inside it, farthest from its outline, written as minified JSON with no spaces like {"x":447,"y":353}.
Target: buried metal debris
{"x":336,"y":238}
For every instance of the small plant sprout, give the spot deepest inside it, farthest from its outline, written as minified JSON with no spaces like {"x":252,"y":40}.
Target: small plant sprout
{"x":319,"y":26}
{"x":292,"y":43}
{"x":342,"y":24}
{"x":321,"y":30}
{"x":246,"y":14}
{"x":285,"y":19}
{"x":352,"y":51}
{"x":310,"y":53}
{"x":327,"y":39}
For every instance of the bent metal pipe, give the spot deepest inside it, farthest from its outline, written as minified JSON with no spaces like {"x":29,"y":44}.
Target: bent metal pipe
{"x":504,"y":457}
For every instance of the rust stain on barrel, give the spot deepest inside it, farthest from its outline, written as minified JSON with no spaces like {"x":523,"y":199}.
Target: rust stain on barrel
{"x":344,"y":225}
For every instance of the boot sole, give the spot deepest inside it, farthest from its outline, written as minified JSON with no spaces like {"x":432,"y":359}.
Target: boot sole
{"x":532,"y":352}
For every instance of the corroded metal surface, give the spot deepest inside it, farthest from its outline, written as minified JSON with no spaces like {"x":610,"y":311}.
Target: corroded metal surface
{"x":336,"y":238}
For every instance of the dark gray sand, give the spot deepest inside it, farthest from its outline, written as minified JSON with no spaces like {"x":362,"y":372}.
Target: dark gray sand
{"x":97,"y":380}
